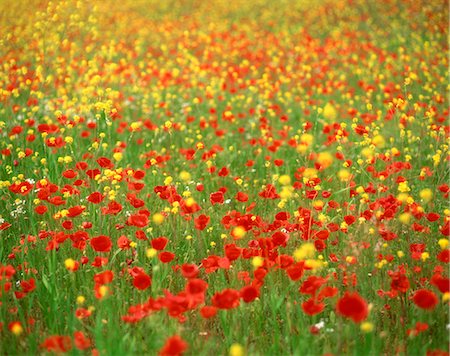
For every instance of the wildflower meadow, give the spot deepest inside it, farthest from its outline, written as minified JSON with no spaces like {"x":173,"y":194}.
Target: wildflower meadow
{"x":214,"y":177}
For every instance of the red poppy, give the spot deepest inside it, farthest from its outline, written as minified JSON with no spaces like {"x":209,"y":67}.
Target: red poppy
{"x":310,"y":307}
{"x":81,"y":341}
{"x":189,"y":270}
{"x":442,"y":283}
{"x":399,"y":282}
{"x":113,"y":208}
{"x":99,"y":261}
{"x":269,"y":192}
{"x":135,"y":201}
{"x":92,"y":173}
{"x":242,"y":197}
{"x":312,"y":194}
{"x":280,"y":238}
{"x":140,"y":235}
{"x":201,"y":222}
{"x":352,"y":306}
{"x":227,"y":299}
{"x":327,"y":292}
{"x":82,"y":313}
{"x":57,"y":344}
{"x":5,"y":226}
{"x":40,"y":209}
{"x":67,"y":224}
{"x":101,"y":243}
{"x":138,"y":220}
{"x":232,"y":251}
{"x":418,"y":328}
{"x":104,"y":277}
{"x":260,"y":273}
{"x":349,"y":219}
{"x":105,"y":163}
{"x":22,"y":188}
{"x":123,"y":242}
{"x":159,"y":243}
{"x":444,"y":256}
{"x":437,"y":353}
{"x":75,"y":211}
{"x":142,"y":281}
{"x":174,"y":346}
{"x":166,"y":257}
{"x":445,"y":229}
{"x":425,"y":299}
{"x":196,"y":286}
{"x":216,"y":198}
{"x":69,"y":174}
{"x":249,"y":293}
{"x":312,"y":284}
{"x":95,"y":197}
{"x":223,"y":172}
{"x":208,"y":311}
{"x":431,"y":217}
{"x":79,"y":239}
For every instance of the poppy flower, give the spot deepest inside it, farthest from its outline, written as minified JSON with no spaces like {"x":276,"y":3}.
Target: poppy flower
{"x":82,"y":313}
{"x":399,"y":282}
{"x":101,"y":243}
{"x":174,"y":346}
{"x":57,"y":343}
{"x":123,"y":242}
{"x":227,"y":299}
{"x":216,"y":198}
{"x":189,"y":270}
{"x":75,"y":211}
{"x":280,"y":238}
{"x":196,"y":286}
{"x":327,"y":292}
{"x":79,"y":239}
{"x":249,"y":293}
{"x":201,"y":221}
{"x":166,"y":257}
{"x":69,"y":174}
{"x":159,"y":243}
{"x":67,"y":224}
{"x":242,"y":197}
{"x":138,"y":220}
{"x":208,"y":311}
{"x":105,"y":163}
{"x":140,"y":235}
{"x":95,"y":198}
{"x":444,"y":256}
{"x":81,"y":341}
{"x":418,"y":328}
{"x":437,"y":353}
{"x":311,"y":307}
{"x":99,"y":261}
{"x":40,"y":209}
{"x":349,"y":219}
{"x":425,"y":299}
{"x":232,"y":251}
{"x":442,"y":283}
{"x":113,"y":208}
{"x":135,"y":201}
{"x":312,"y":284}
{"x":104,"y":277}
{"x":352,"y":306}
{"x":269,"y":192}
{"x":142,"y":281}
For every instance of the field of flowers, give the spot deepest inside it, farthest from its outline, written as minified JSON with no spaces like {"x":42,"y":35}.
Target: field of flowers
{"x":224,"y":177}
